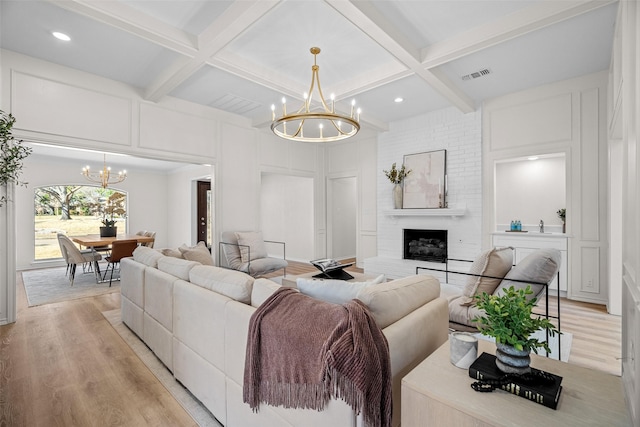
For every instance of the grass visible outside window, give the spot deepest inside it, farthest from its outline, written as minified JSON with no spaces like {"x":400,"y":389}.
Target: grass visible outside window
{"x":74,"y":211}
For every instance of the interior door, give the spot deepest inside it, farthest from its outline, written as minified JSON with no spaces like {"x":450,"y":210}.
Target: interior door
{"x":204,"y":219}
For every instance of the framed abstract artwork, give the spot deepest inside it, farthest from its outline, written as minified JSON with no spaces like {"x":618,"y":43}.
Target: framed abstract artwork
{"x":425,"y":186}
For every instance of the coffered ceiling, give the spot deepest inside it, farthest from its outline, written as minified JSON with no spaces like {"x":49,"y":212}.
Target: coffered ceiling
{"x":242,"y":56}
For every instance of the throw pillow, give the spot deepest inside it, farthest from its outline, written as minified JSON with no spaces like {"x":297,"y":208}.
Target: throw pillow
{"x":171,"y":252}
{"x":540,"y":266}
{"x":487,"y":272}
{"x":199,"y":253}
{"x":255,"y":242}
{"x":334,"y":291}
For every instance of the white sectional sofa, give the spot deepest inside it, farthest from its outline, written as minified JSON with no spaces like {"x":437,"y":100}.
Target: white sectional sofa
{"x":195,"y":319}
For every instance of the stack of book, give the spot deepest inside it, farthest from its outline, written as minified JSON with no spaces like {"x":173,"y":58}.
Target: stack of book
{"x":545,"y":392}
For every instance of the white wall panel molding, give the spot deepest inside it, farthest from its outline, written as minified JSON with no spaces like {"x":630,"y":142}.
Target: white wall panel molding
{"x":540,"y":121}
{"x":591,"y":178}
{"x":57,"y":108}
{"x":589,"y":279}
{"x":169,"y":130}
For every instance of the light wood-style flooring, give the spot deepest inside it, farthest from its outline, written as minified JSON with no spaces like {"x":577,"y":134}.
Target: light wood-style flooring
{"x":63,"y":364}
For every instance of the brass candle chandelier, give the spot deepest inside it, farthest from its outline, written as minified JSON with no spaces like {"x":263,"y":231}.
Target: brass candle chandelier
{"x":104,"y":177}
{"x":319,"y":124}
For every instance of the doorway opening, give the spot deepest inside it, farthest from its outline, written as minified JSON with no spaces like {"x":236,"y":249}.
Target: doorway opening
{"x":204,"y":212}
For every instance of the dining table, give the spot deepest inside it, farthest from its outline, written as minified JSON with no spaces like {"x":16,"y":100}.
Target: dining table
{"x":95,"y":240}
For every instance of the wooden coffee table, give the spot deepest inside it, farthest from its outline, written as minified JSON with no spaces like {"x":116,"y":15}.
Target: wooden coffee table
{"x":436,"y":393}
{"x":357,"y":277}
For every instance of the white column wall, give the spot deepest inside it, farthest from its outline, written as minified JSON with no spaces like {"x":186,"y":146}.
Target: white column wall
{"x":565,"y":117}
{"x":460,"y":135}
{"x":624,"y":127}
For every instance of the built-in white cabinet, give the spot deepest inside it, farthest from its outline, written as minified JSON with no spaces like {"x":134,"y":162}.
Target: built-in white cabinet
{"x":525,"y":243}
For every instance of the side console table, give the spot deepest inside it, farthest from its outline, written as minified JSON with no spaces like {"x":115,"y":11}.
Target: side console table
{"x":436,"y":393}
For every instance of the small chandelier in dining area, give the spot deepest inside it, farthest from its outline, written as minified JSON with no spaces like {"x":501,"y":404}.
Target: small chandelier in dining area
{"x":104,"y":177}
{"x":320,"y":124}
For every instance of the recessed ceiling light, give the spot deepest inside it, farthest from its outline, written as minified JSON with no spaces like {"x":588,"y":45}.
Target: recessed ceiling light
{"x":398,"y":100}
{"x":61,"y":36}
{"x":533,"y":158}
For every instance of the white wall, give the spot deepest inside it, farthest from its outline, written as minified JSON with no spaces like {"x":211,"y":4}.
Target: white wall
{"x":342,"y":208}
{"x":624,"y":128}
{"x":356,"y":158}
{"x":457,"y":133}
{"x":530,"y":191}
{"x":287,"y":207}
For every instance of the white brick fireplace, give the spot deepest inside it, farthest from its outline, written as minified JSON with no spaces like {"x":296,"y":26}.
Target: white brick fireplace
{"x":459,"y":134}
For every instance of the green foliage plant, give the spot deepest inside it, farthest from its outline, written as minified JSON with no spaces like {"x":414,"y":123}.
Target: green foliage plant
{"x":13,"y":154}
{"x":508,"y":318}
{"x":396,"y":176}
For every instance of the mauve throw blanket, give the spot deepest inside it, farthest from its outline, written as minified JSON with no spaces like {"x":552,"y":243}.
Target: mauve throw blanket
{"x":301,"y":352}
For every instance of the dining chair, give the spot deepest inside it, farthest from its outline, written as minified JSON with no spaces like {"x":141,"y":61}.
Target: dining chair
{"x":150,"y":234}
{"x":74,"y":256}
{"x":119,"y":249}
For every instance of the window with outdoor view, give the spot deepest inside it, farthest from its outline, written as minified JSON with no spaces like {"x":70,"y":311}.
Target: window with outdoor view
{"x":74,"y":210}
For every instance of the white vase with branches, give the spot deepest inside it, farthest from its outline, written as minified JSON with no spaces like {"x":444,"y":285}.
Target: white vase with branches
{"x":396,"y":176}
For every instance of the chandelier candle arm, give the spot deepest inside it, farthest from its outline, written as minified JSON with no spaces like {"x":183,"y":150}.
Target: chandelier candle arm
{"x":322,"y":123}
{"x":103,"y":177}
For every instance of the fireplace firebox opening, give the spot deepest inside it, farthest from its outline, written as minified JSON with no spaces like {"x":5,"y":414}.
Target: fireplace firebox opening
{"x":425,"y":245}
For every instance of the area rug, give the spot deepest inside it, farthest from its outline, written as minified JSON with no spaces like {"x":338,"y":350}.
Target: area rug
{"x":190,"y":404}
{"x":565,"y":344}
{"x":49,"y":285}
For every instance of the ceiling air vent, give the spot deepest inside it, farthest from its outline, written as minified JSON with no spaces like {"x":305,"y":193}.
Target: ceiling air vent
{"x":477,"y":74}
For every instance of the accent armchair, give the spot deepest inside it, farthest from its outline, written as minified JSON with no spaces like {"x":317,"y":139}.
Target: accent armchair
{"x":247,"y":252}
{"x":491,"y":272}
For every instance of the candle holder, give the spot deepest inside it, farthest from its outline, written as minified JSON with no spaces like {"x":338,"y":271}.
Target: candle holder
{"x":442,"y":204}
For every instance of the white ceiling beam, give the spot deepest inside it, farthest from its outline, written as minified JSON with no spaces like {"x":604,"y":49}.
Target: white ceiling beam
{"x":364,"y":16}
{"x":506,"y":28}
{"x":231,"y":24}
{"x":129,"y":19}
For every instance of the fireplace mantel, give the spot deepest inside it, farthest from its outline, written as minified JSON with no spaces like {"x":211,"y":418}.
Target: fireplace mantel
{"x":426,"y":212}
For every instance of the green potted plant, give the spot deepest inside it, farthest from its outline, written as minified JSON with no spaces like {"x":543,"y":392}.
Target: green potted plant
{"x":13,"y":154}
{"x":396,"y":176}
{"x":508,"y":318}
{"x":562,"y":214}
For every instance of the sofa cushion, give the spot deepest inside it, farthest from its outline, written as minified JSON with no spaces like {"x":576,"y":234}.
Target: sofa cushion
{"x":539,"y":266}
{"x":488,"y":270}
{"x":256,"y":248}
{"x":262,"y":289}
{"x":230,"y":283}
{"x":176,"y":266}
{"x":147,"y":256}
{"x":463,"y":314}
{"x":335,"y":291}
{"x":171,"y":252}
{"x":391,"y":301}
{"x":199,"y":253}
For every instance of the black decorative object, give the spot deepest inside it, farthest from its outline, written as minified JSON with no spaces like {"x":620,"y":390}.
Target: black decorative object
{"x":108,"y":231}
{"x":539,"y":386}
